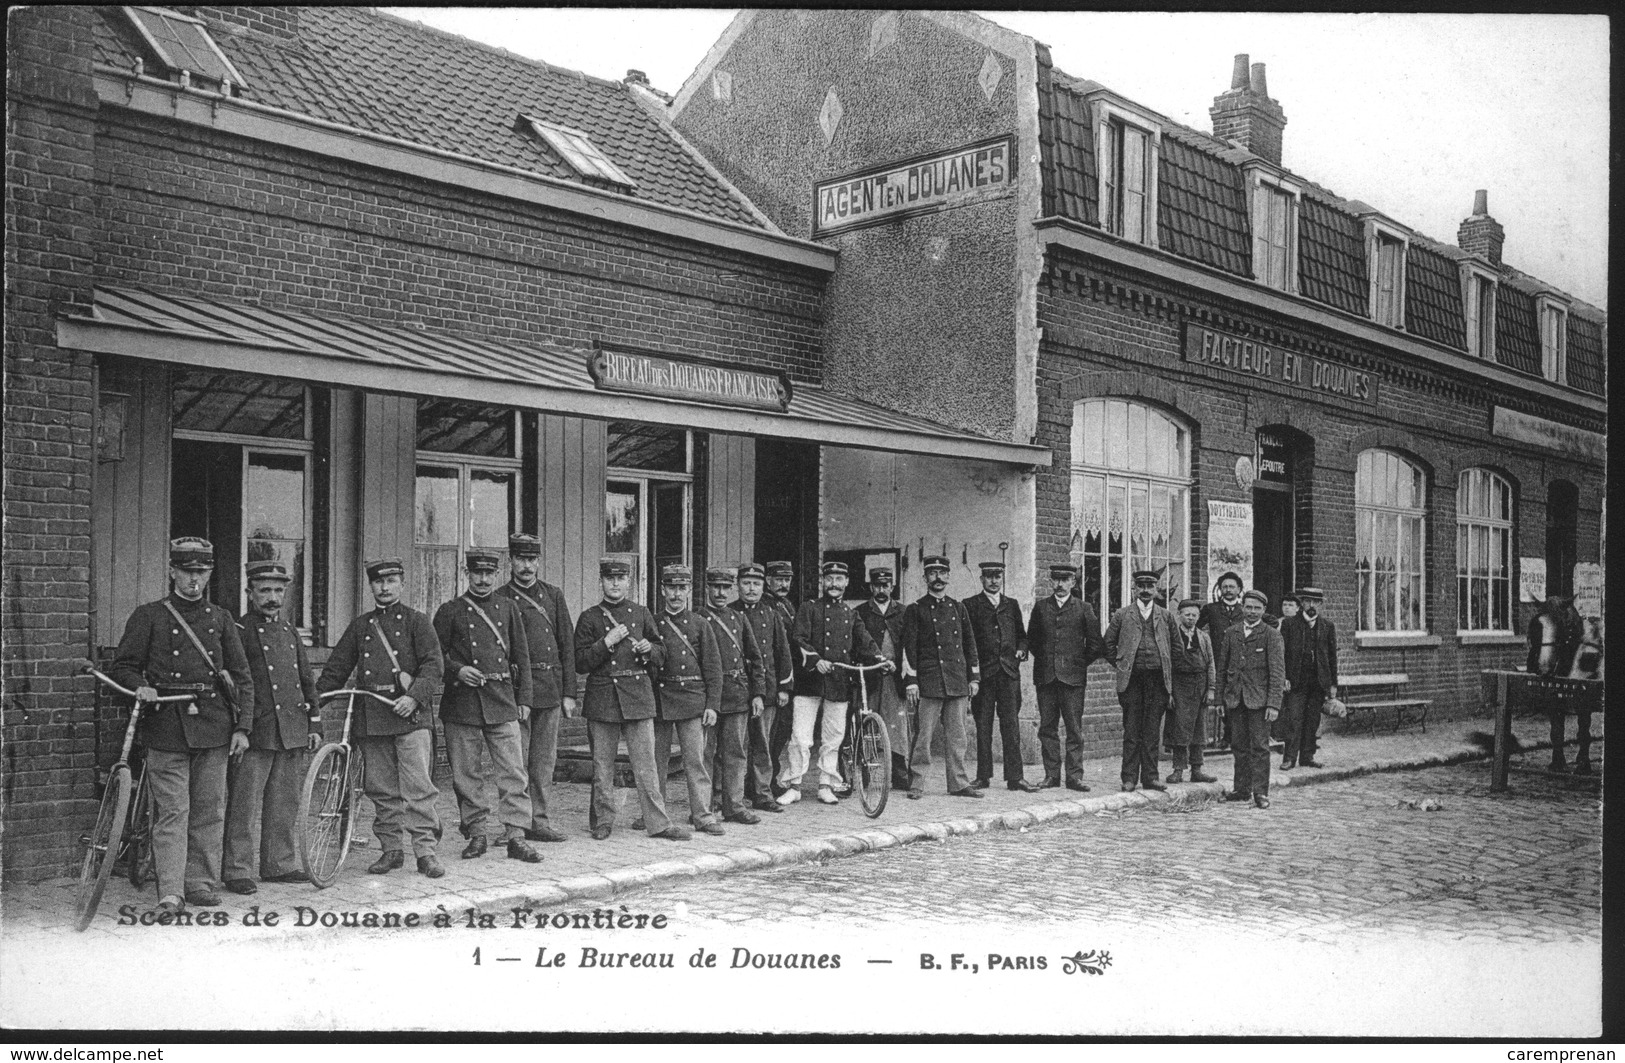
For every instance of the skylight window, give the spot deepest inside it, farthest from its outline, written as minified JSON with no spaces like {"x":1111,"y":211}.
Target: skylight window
{"x":182,"y":43}
{"x":580,"y":152}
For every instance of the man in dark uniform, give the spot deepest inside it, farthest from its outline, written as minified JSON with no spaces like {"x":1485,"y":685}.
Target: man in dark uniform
{"x":550,"y":632}
{"x":187,"y":743}
{"x":1252,"y":672}
{"x":688,"y":691}
{"x":1225,"y":609}
{"x":780,"y":578}
{"x":883,"y":618}
{"x":1309,"y":641}
{"x":1195,"y":687}
{"x":270,"y":773}
{"x":394,"y":653}
{"x":616,"y":645}
{"x":941,"y":674}
{"x":1140,"y":642}
{"x":727,"y":745}
{"x":826,"y":633}
{"x":488,"y":693}
{"x":778,"y":679}
{"x":1064,"y":637}
{"x":1001,"y":646}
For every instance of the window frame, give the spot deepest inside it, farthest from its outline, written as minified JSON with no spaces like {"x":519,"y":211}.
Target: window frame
{"x":158,"y":49}
{"x":466,"y":465}
{"x":1417,"y":513}
{"x":1554,"y":349}
{"x":1258,"y":176}
{"x":1109,"y":113}
{"x":1378,"y":231}
{"x":1466,"y":524}
{"x":580,"y":153}
{"x":1473,"y":315}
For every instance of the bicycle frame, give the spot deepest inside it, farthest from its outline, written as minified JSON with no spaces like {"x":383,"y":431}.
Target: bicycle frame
{"x":135,"y":710}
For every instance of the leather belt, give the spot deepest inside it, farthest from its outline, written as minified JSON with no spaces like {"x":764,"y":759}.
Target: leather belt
{"x":737,"y":673}
{"x":628,"y":674}
{"x":381,"y":688}
{"x":183,"y":688}
{"x":497,"y":677}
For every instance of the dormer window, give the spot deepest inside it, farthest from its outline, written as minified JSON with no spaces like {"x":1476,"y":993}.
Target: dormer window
{"x":1478,"y":306}
{"x":1385,"y":247}
{"x":582,"y":155}
{"x":1275,"y":228}
{"x":182,"y":43}
{"x":1127,"y":145}
{"x":1554,"y":329}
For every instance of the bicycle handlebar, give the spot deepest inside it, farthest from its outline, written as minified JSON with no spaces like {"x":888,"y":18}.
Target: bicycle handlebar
{"x":127,"y":692}
{"x":350,"y":690}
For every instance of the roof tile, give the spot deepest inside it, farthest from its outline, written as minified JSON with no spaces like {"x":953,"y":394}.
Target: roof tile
{"x":1588,"y":366}
{"x":1517,"y":331}
{"x":1433,"y":297}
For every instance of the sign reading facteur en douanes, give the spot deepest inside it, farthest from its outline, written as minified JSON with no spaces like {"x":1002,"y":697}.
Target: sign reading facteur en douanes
{"x":1238,"y":358}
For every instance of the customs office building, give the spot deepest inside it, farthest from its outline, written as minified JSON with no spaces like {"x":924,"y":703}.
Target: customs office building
{"x":321,"y":285}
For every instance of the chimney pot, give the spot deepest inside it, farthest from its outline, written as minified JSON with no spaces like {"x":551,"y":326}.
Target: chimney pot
{"x":636,"y":77}
{"x":1481,"y":201}
{"x":1258,"y":84}
{"x":1481,"y":234}
{"x":1245,"y":115}
{"x":1238,"y":73}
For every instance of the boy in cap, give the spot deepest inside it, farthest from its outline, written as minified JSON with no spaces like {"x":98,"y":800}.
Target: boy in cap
{"x":1140,"y":642}
{"x":941,"y":674}
{"x":1064,"y":637}
{"x":727,"y":745}
{"x":1309,"y":642}
{"x":270,"y":773}
{"x":394,"y":653}
{"x":184,"y":644}
{"x":826,"y":633}
{"x":883,"y":618}
{"x":778,"y":683}
{"x":1252,"y":671}
{"x":1001,"y":646}
{"x":688,"y":692}
{"x":1195,"y":687}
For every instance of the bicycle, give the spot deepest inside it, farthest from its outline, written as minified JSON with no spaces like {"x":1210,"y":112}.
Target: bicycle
{"x":866,"y":749}
{"x":330,"y":799}
{"x":107,"y":840}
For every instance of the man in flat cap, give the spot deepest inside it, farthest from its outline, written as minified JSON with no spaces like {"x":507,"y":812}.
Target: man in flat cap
{"x":1195,"y":687}
{"x":617,"y":644}
{"x":488,"y":692}
{"x":1252,"y":670}
{"x":184,"y":644}
{"x":1309,"y":641}
{"x":883,"y":618}
{"x":1001,"y":646}
{"x":744,"y":681}
{"x":778,"y":683}
{"x":1064,"y":637}
{"x":394,"y":653}
{"x":551,"y":636}
{"x":826,"y":633}
{"x":780,"y":580}
{"x":688,"y":691}
{"x":941,"y":674}
{"x":270,"y":773}
{"x":1140,"y":642}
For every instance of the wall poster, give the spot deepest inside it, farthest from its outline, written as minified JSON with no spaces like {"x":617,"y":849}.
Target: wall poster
{"x":1229,"y":541}
{"x":1532,"y":579}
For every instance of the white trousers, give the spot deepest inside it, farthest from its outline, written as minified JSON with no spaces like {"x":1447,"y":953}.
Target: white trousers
{"x":801,"y":740}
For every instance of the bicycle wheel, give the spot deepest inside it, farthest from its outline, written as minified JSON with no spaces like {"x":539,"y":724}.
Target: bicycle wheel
{"x":872,"y":751}
{"x":138,"y":862}
{"x":101,"y":847}
{"x":327,"y":812}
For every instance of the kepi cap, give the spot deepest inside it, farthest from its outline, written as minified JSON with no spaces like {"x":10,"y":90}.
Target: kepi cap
{"x":522,"y":545}
{"x":834,"y":568}
{"x":719,"y":577}
{"x":266,"y":570}
{"x":677,"y":575}
{"x":191,"y":553}
{"x":881,"y":575}
{"x":751,"y":570}
{"x":385,"y":566}
{"x":481,"y":561}
{"x":992,"y":568}
{"x":1060,"y":571}
{"x":1148,"y":575}
{"x":613,"y":566}
{"x":931,"y":561}
{"x":781,"y":568}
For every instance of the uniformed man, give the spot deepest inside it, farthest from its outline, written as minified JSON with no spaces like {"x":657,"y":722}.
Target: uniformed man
{"x":1064,"y":637}
{"x":1195,"y":688}
{"x":616,"y":645}
{"x":394,"y":653}
{"x":688,"y":691}
{"x":778,"y":677}
{"x":488,"y":692}
{"x":780,"y":579}
{"x":727,"y":745}
{"x":1001,"y":646}
{"x":551,"y":635}
{"x":1225,"y":608}
{"x":826,"y":633}
{"x":1140,"y":642}
{"x":183,"y":644}
{"x":883,"y":617}
{"x":270,"y":773}
{"x":1251,"y":663}
{"x":941,"y":674}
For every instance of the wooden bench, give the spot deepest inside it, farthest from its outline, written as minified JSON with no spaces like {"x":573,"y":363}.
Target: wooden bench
{"x":1367,"y":696}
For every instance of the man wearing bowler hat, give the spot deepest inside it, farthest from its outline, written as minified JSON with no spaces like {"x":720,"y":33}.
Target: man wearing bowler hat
{"x":550,"y":633}
{"x":1001,"y":646}
{"x":1064,"y":637}
{"x":883,"y":618}
{"x":1140,"y":641}
{"x":1252,"y":670}
{"x":727,"y":745}
{"x":941,"y":674}
{"x":1309,"y":642}
{"x":488,"y":693}
{"x":184,"y":644}
{"x":688,"y":691}
{"x":826,"y":633}
{"x":265,"y":786}
{"x":778,"y":683}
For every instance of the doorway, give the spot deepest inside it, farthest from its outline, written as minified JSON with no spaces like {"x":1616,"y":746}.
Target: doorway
{"x":787,"y":509}
{"x":1282,"y":552}
{"x":1562,"y":526}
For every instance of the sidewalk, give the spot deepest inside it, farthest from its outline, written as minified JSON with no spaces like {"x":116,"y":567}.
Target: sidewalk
{"x":584,"y":872}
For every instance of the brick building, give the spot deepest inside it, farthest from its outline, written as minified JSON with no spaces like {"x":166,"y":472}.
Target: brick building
{"x":1232,"y":366}
{"x":322,"y":285}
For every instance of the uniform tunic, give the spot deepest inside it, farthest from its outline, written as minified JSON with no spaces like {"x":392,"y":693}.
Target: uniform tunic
{"x":618,"y":684}
{"x":939,"y":648}
{"x":743,"y":676}
{"x":548,"y":631}
{"x":359,"y":650}
{"x":691,"y":673}
{"x":886,"y":694}
{"x":772,"y":633}
{"x":284,"y":689}
{"x":156,"y":652}
{"x":828,"y":630}
{"x":469,"y":642}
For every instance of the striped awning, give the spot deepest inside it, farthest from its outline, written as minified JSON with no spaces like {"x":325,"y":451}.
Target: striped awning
{"x":347,"y":352}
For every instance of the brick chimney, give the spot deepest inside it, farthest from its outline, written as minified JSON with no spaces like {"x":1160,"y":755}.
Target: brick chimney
{"x":636,"y":77}
{"x":279,"y":25}
{"x":1481,"y":234}
{"x":1246,"y":115}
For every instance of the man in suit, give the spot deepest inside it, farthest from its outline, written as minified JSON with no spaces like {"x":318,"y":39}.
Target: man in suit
{"x":1252,"y":672}
{"x":1140,"y":642}
{"x":265,"y":787}
{"x":394,"y":653}
{"x":1001,"y":646}
{"x":727,"y":745}
{"x":882,"y":617}
{"x":1224,"y":609}
{"x":780,"y":579}
{"x":826,"y":634}
{"x":617,"y":644}
{"x":778,"y":682}
{"x":1064,"y":637}
{"x":1309,"y":641}
{"x":488,"y":693}
{"x":184,"y":644}
{"x":1195,"y":688}
{"x":941,"y":674}
{"x":688,"y":692}
{"x":549,"y":634}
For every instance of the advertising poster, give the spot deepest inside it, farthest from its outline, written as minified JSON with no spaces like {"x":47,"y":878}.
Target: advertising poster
{"x":1588,"y":588}
{"x":1532,"y":579}
{"x":1229,"y":541}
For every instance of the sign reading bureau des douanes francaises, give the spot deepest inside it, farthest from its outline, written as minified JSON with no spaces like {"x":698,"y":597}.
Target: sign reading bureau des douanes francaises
{"x":979,"y":171}
{"x":640,"y":373}
{"x":1239,"y":359}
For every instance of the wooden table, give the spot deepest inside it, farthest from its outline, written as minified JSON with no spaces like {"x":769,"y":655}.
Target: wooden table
{"x":1527,"y":693}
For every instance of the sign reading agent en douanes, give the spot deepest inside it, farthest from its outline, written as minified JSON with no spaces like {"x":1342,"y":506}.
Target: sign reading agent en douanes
{"x":914,"y":186}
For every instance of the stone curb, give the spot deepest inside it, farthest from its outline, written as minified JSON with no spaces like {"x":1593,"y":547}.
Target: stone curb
{"x":1414,"y":762}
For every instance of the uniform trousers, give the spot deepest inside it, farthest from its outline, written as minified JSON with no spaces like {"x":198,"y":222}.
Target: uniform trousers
{"x":1060,"y":703}
{"x":540,"y":737}
{"x":188,"y":817}
{"x":501,"y":741}
{"x":1250,"y":746}
{"x":604,"y":737}
{"x":1300,"y":714}
{"x":999,"y":696}
{"x":260,"y":812}
{"x":806,"y":715}
{"x":780,"y":734}
{"x":1145,"y":702}
{"x":948,"y":714}
{"x":727,"y":750}
{"x":761,"y":772}
{"x":691,"y":743}
{"x":399,"y":779}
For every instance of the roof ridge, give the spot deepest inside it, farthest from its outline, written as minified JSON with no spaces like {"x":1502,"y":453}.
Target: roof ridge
{"x":551,"y":68}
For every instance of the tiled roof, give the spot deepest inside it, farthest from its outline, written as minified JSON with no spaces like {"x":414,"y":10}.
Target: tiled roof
{"x":1517,"y":330}
{"x":1588,"y":367}
{"x":1433,"y":308}
{"x":1331,"y":257}
{"x":1202,"y":207}
{"x":1071,"y":187}
{"x":371,"y":71}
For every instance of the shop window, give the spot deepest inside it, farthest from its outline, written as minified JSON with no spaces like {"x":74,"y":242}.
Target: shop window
{"x":1130,"y":499}
{"x":1478,"y":304}
{"x":467,"y":493}
{"x":1127,"y":147}
{"x":1554,"y":328}
{"x":1483,"y":552}
{"x":649,"y":501}
{"x":1390,"y":538}
{"x":1385,"y":262}
{"x":1275,"y":230}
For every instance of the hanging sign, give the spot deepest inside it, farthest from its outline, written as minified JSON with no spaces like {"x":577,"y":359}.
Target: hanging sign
{"x":1274,"y":458}
{"x":1240,"y":359}
{"x":641,"y":373}
{"x":1531,"y":579}
{"x":1229,"y":541}
{"x":1541,"y":432}
{"x":977,"y":172}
